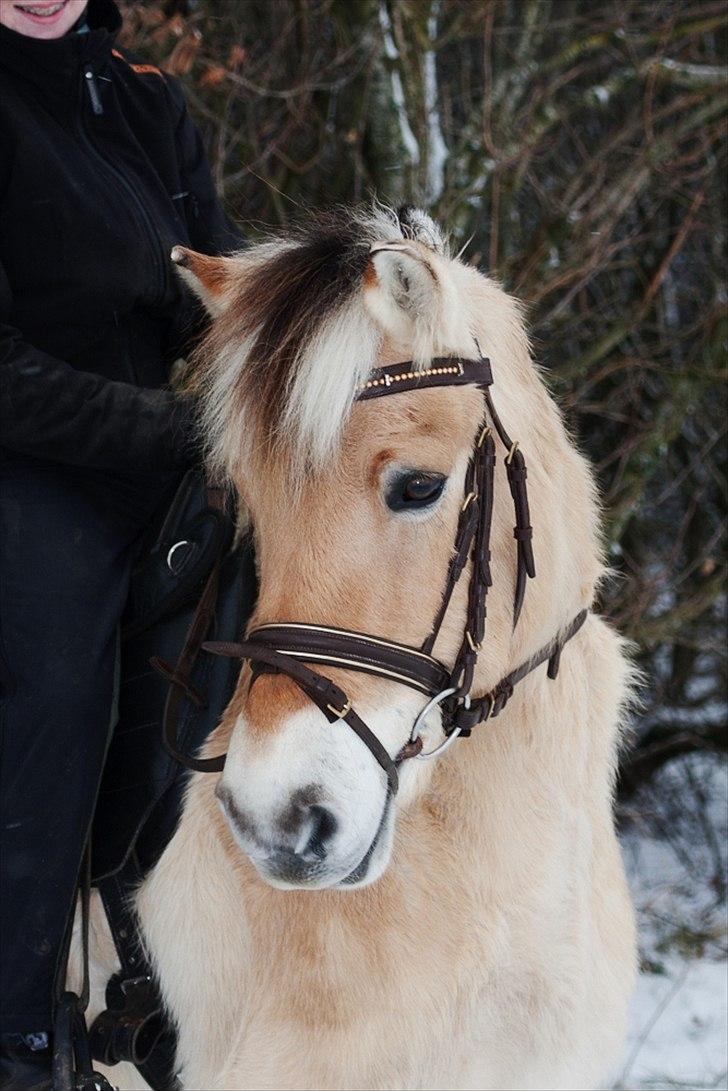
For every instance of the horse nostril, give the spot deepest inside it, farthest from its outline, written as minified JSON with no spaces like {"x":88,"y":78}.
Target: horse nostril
{"x":308,"y":827}
{"x":318,"y":829}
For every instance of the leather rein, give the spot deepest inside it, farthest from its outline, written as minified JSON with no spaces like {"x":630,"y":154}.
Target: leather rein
{"x":288,"y":648}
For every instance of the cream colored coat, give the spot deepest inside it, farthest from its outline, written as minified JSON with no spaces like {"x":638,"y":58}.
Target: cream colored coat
{"x":496,"y":949}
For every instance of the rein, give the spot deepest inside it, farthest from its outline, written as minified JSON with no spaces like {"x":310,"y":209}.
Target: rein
{"x":287,"y":648}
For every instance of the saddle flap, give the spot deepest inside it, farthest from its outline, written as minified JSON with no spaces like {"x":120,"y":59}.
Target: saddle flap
{"x":141,"y":789}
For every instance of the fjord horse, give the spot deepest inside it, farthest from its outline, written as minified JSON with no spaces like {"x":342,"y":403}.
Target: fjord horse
{"x":308,"y":928}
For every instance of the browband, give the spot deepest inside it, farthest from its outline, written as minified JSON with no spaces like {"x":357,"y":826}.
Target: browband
{"x":443,"y":371}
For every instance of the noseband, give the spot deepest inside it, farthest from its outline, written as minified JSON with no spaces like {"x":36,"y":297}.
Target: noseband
{"x":288,"y":648}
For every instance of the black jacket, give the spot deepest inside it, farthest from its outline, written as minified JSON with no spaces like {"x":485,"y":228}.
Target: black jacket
{"x":102,"y":171}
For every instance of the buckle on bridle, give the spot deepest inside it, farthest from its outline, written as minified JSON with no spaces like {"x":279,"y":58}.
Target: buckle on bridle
{"x":340,"y":712}
{"x":511,"y":453}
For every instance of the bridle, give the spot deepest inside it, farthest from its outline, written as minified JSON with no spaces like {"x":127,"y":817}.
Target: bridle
{"x":287,"y":648}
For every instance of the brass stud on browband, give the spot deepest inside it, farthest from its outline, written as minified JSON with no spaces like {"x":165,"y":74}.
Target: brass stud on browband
{"x":405,"y":376}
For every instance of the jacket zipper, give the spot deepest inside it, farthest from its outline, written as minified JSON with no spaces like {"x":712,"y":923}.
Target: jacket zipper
{"x":160,"y":267}
{"x":93,"y":92}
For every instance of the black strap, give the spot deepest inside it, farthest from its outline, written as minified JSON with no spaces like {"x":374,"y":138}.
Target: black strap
{"x":492,"y":703}
{"x":463,"y":541}
{"x":134,"y":1027}
{"x":472,"y":540}
{"x":72,"y":1063}
{"x":523,"y":531}
{"x":178,"y":675}
{"x":480,"y":579}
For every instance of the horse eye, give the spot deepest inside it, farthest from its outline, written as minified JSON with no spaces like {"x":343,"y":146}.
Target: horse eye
{"x":415,"y":490}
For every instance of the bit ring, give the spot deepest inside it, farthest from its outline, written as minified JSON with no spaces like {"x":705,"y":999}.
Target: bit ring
{"x":417,"y":726}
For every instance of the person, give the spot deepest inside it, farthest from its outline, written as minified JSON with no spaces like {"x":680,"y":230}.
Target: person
{"x":102,"y":171}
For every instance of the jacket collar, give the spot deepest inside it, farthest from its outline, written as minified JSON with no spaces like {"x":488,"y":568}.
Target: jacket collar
{"x":50,"y":62}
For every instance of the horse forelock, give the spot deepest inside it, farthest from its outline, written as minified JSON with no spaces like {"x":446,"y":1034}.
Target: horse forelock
{"x":281,"y":366}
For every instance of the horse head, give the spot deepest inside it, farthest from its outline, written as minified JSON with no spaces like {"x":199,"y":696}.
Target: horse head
{"x":355,"y":505}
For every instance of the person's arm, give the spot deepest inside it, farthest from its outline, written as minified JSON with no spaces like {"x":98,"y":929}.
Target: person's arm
{"x":51,"y":410}
{"x":211,"y":231}
{"x":209,"y":228}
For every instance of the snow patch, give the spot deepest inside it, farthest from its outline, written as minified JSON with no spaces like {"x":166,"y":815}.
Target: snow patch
{"x":678,"y":1034}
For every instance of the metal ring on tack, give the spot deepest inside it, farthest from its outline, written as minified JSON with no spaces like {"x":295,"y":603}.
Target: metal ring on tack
{"x":173,"y":550}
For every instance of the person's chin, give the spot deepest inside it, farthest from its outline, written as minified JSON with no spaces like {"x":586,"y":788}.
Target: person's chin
{"x":43,"y":21}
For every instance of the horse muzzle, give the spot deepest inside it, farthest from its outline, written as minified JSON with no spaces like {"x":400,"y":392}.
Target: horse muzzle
{"x":304,"y":816}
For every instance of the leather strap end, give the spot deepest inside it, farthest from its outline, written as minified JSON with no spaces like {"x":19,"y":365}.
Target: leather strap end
{"x":528,"y":559}
{"x":554,"y":663}
{"x":486,"y":576}
{"x":529,"y":564}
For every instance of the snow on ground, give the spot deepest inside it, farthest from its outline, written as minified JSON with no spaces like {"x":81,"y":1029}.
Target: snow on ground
{"x":674,"y":842}
{"x":678,"y":1036}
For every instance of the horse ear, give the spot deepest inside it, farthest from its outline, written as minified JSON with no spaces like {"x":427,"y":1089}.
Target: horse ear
{"x":211,"y":278}
{"x":419,"y":225}
{"x":402,"y":284}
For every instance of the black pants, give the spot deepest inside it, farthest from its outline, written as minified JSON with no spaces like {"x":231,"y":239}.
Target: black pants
{"x":67,"y":541}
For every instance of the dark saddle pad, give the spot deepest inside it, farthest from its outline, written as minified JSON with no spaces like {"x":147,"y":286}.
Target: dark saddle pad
{"x":141,"y":792}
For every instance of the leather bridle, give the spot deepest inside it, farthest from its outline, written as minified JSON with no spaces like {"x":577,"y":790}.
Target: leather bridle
{"x":288,"y":648}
